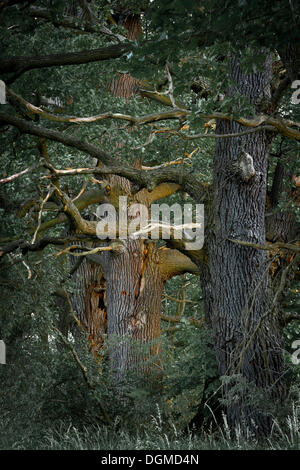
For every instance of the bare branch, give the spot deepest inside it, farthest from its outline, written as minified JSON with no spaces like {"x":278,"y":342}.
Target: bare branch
{"x":25,"y":245}
{"x":262,"y":122}
{"x":170,"y":91}
{"x":178,"y":161}
{"x":270,"y":247}
{"x":213,"y":136}
{"x":116,"y":247}
{"x":147,"y":92}
{"x":149,"y":118}
{"x":29,"y":275}
{"x":50,"y":192}
{"x":21,"y":173}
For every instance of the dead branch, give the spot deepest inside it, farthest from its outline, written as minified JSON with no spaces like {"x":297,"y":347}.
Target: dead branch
{"x":8,"y":179}
{"x":269,"y":247}
{"x":25,"y":245}
{"x":283,"y":126}
{"x":117,"y":247}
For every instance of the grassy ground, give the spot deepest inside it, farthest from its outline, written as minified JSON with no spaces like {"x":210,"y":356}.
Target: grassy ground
{"x":68,"y":437}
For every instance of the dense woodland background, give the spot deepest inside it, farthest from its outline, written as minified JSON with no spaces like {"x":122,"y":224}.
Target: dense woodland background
{"x":149,"y":345}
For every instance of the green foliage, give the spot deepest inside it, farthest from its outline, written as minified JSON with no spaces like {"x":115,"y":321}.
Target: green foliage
{"x":238,"y":21}
{"x":44,"y":387}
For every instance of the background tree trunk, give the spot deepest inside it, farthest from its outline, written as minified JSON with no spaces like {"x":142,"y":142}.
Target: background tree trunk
{"x":125,"y":85}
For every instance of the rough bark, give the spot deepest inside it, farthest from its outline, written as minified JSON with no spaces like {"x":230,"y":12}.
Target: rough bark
{"x":281,"y":224}
{"x":238,"y":293}
{"x":125,"y":85}
{"x":89,"y":302}
{"x":134,"y":289}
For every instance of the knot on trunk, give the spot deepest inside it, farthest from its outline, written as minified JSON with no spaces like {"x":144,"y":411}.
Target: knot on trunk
{"x":243,"y":167}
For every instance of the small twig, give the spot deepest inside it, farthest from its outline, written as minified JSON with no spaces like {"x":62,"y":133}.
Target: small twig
{"x":78,"y":323}
{"x":170,"y":91}
{"x":28,"y":269}
{"x":76,"y":266}
{"x":40,"y":214}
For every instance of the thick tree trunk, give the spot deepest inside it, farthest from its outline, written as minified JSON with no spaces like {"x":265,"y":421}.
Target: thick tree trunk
{"x":120,"y":299}
{"x":134,"y":288}
{"x":133,"y":280}
{"x":247,"y":338}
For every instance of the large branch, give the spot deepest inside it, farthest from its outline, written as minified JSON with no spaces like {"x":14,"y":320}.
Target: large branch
{"x":205,"y":135}
{"x":94,"y":196}
{"x":87,"y":227}
{"x":73,"y":23}
{"x":147,"y":92}
{"x":25,"y":245}
{"x":159,"y":192}
{"x":32,"y":129}
{"x":283,"y":126}
{"x":198,"y":257}
{"x":173,"y":263}
{"x":148,"y":118}
{"x":21,"y":64}
{"x":172,"y":178}
{"x":113,"y":165}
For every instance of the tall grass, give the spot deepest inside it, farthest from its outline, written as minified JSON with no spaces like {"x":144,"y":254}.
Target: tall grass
{"x":62,"y":436}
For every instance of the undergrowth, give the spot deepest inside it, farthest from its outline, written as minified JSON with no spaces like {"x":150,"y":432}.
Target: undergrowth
{"x":158,"y":436}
